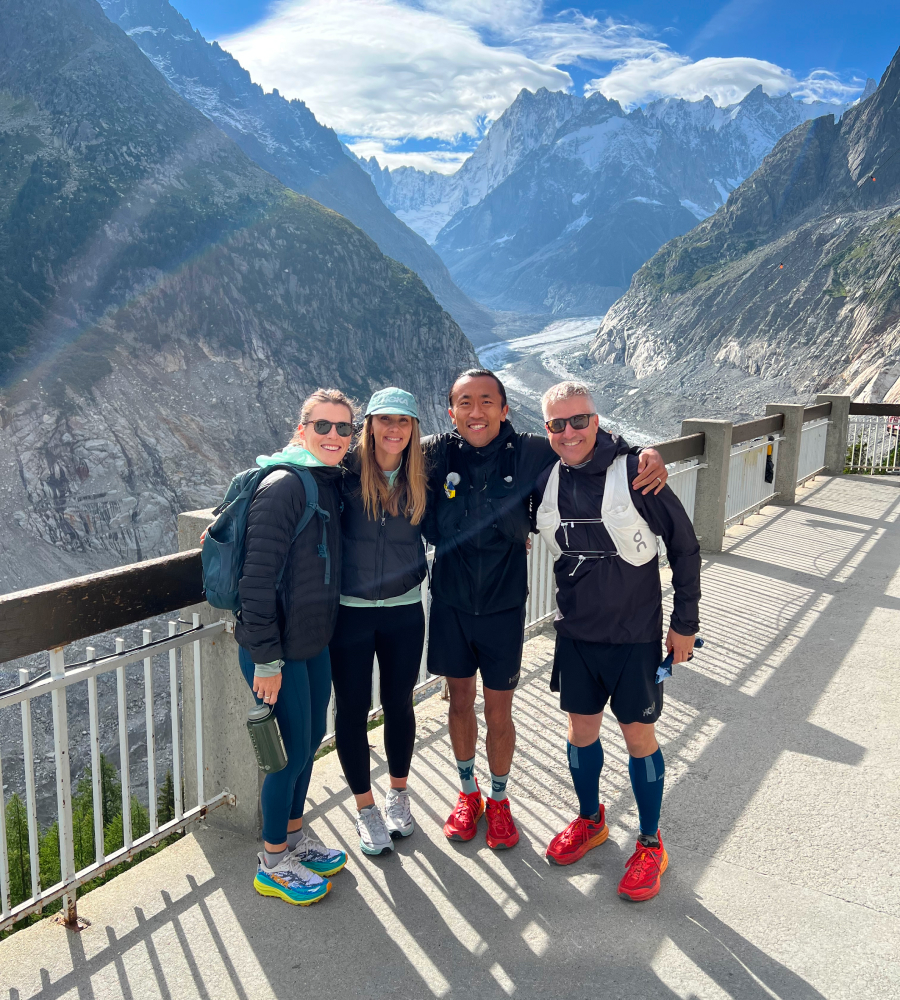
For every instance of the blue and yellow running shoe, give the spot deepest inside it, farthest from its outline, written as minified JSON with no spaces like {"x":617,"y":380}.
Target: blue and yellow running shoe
{"x":317,"y":857}
{"x":290,"y":881}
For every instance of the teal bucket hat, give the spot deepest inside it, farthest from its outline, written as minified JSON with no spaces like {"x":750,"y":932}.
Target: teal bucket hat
{"x":393,"y":400}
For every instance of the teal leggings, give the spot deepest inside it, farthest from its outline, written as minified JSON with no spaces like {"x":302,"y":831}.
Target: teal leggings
{"x":301,"y":711}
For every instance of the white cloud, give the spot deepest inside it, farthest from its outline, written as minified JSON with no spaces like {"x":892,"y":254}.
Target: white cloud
{"x":387,"y":70}
{"x":384,"y":69}
{"x":664,"y":73}
{"x":440,"y":161}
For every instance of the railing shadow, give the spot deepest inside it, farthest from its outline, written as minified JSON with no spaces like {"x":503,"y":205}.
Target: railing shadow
{"x":439,"y":919}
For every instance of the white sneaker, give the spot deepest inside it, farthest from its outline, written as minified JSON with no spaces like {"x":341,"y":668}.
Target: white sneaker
{"x":373,"y":835}
{"x":398,"y":816}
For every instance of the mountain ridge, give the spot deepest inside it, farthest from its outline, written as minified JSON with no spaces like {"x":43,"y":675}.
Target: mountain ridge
{"x":166,"y":302}
{"x":284,"y":138}
{"x":796,"y":278}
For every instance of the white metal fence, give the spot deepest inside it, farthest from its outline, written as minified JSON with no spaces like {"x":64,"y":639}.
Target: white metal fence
{"x":683,"y":483}
{"x":56,"y":682}
{"x":872,"y":445}
{"x":540,"y":605}
{"x":812,"y":449}
{"x":747,"y":486}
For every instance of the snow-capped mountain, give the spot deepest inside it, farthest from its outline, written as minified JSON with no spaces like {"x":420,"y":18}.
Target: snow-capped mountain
{"x":427,"y":200}
{"x":284,"y":138}
{"x":566,"y":197}
{"x":795,"y":282}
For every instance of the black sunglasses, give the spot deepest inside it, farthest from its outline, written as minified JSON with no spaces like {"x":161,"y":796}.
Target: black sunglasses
{"x":343,"y":427}
{"x":556,"y":425}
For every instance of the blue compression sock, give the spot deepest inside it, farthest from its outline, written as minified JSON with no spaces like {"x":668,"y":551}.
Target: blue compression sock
{"x":647,"y":774}
{"x":585,"y":765}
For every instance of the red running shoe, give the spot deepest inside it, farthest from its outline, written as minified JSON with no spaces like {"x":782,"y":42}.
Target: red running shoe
{"x":577,"y":839}
{"x":463,"y":821}
{"x":643,"y":871}
{"x":501,"y":831}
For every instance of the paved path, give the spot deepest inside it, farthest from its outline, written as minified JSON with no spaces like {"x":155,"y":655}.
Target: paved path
{"x":780,"y":818}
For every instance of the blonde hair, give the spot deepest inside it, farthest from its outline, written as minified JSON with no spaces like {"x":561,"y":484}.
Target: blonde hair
{"x":566,"y":390}
{"x":334,"y":396}
{"x":410,"y":486}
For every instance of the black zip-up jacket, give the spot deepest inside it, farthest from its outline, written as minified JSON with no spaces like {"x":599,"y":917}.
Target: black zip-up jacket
{"x":294,"y":622}
{"x":605,"y":599}
{"x":383,"y":557}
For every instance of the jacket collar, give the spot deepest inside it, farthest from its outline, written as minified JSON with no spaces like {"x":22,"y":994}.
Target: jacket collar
{"x":507,"y":433}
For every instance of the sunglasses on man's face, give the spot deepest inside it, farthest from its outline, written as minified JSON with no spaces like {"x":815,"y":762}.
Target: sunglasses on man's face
{"x":323,"y":427}
{"x":556,"y":425}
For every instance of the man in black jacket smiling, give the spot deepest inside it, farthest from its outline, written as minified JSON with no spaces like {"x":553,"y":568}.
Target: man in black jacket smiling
{"x":609,"y":620}
{"x":482,"y":478}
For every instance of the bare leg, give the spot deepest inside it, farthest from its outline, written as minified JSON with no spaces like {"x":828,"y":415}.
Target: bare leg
{"x":501,"y":730}
{"x":585,"y":729}
{"x":293,"y":826}
{"x":462,"y":722}
{"x":640,"y":738}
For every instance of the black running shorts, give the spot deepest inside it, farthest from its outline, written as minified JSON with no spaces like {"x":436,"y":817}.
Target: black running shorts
{"x":459,"y":644}
{"x":590,"y":674}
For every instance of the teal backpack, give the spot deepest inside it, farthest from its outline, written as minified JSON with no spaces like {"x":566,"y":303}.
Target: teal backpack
{"x":222,"y":553}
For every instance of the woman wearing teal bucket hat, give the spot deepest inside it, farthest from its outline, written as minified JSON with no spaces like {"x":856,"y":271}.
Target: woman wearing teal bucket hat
{"x":382,"y":568}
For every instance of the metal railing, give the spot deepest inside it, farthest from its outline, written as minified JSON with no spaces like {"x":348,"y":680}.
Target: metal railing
{"x":873,"y":440}
{"x":539,"y":607}
{"x":683,"y":483}
{"x":748,"y":489}
{"x":57,"y":682}
{"x":812,"y":449}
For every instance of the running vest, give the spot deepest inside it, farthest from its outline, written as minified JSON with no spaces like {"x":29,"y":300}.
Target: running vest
{"x":630,"y":533}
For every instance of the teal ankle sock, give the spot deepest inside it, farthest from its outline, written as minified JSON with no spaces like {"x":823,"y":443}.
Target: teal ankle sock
{"x":498,"y":786}
{"x":467,"y":781}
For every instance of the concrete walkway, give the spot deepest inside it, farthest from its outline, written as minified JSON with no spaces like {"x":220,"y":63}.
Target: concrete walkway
{"x":780,"y":817}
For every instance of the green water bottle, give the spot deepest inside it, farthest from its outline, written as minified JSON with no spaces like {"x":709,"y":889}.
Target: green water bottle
{"x":266,"y":739}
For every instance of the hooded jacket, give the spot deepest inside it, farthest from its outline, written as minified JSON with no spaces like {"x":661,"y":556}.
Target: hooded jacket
{"x":295,"y":620}
{"x":600,"y":597}
{"x":383,"y":557}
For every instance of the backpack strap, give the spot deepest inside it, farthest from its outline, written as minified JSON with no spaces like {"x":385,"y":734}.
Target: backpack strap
{"x":311,"y":488}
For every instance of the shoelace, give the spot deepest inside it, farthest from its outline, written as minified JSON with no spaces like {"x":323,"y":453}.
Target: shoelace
{"x":397,"y":807}
{"x":575,"y":833}
{"x":291,"y":863}
{"x":465,"y":810}
{"x":503,"y":818}
{"x":311,"y":850}
{"x":642,"y":863}
{"x":374,"y":824}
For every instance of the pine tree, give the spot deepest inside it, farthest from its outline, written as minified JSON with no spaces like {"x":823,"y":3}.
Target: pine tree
{"x":51,"y":871}
{"x":83,"y":822}
{"x":110,"y":790}
{"x":165,"y":801}
{"x":114,"y":835}
{"x":17,"y":850}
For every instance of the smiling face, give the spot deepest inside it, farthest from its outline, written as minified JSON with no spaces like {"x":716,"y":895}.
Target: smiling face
{"x":573,"y":447}
{"x":391,"y":433}
{"x":329,"y":448}
{"x":477,"y":409}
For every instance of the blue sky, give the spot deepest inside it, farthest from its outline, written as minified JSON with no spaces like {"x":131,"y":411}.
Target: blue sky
{"x":417,"y":80}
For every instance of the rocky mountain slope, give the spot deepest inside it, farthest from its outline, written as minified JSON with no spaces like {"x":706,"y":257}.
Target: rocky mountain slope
{"x":557,"y":212}
{"x":284,"y":138}
{"x":165,"y":302}
{"x":426,"y":201}
{"x":796,"y":279}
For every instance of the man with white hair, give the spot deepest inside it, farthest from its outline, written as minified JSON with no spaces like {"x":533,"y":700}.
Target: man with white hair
{"x":609,"y":621}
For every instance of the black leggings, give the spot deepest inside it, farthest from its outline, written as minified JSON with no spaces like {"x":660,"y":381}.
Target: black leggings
{"x":397,"y":636}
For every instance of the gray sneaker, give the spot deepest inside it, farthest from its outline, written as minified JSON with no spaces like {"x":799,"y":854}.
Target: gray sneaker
{"x":373,"y":835}
{"x":398,"y":816}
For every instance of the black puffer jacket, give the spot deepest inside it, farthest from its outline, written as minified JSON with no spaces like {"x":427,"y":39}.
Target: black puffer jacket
{"x":603,"y":598}
{"x":297,"y":621}
{"x":383,"y":557}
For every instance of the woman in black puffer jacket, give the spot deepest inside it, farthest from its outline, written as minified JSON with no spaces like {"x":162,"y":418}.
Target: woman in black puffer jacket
{"x":283,"y":630}
{"x":384,"y":496}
